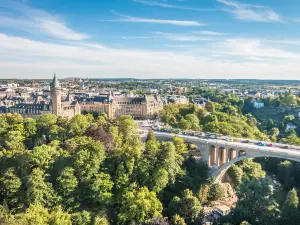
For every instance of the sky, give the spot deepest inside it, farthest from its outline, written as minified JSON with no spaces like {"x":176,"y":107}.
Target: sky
{"x":200,"y":39}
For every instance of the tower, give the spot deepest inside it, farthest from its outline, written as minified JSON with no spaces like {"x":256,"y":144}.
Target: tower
{"x":56,"y":97}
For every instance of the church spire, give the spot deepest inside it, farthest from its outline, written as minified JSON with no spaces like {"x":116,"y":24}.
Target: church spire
{"x":55,"y":82}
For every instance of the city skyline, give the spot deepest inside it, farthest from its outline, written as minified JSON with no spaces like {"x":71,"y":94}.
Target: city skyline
{"x":217,"y":39}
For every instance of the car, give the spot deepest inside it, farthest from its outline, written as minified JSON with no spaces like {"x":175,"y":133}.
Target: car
{"x":245,"y":141}
{"x":228,"y":139}
{"x":261,"y":144}
{"x":213,"y":137}
{"x":269,"y":145}
{"x":284,"y":147}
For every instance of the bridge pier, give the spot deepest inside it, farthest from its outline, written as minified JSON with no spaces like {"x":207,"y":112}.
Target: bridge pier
{"x":220,"y":155}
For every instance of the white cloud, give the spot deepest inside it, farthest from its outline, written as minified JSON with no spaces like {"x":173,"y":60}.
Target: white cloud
{"x":59,"y":30}
{"x":41,"y":58}
{"x":297,"y":20}
{"x":253,"y":48}
{"x":248,"y":12}
{"x":165,"y":5}
{"x":37,"y":22}
{"x":182,"y":37}
{"x":134,"y":37}
{"x":131,"y":19}
{"x":209,"y":33}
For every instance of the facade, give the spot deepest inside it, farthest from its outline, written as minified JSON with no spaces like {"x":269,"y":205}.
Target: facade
{"x":42,"y":106}
{"x":115,"y":106}
{"x":68,"y":107}
{"x":257,"y":104}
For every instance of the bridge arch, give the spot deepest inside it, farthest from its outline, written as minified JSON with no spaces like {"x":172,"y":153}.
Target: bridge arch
{"x":231,"y":152}
{"x":220,"y":172}
{"x":242,"y":153}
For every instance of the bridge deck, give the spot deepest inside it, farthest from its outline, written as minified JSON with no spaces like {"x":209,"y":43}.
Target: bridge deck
{"x":291,"y":151}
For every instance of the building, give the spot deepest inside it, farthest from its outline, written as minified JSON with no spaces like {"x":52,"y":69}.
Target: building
{"x":68,"y":108}
{"x":115,"y":106}
{"x":257,"y":104}
{"x":40,"y":106}
{"x":178,"y":99}
{"x":223,"y":210}
{"x":291,"y":126}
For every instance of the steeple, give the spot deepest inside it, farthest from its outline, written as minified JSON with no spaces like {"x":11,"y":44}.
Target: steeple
{"x":55,"y":96}
{"x":55,"y":82}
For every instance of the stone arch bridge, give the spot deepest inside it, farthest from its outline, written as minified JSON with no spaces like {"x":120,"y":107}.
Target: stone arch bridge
{"x":220,"y":154}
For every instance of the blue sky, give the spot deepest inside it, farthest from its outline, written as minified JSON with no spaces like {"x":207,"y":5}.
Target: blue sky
{"x":258,"y":39}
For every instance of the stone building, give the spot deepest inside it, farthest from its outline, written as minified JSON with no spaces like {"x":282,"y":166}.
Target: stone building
{"x":69,"y":107}
{"x":115,"y":106}
{"x":56,"y":105}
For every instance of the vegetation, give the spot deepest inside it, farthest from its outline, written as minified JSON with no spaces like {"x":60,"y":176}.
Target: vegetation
{"x":216,"y":118}
{"x":88,"y":170}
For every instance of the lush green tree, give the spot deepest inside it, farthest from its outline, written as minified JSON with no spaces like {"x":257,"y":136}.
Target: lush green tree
{"x":10,"y":189}
{"x":58,"y":217}
{"x":178,"y":220}
{"x":100,"y":220}
{"x":236,"y":174}
{"x":216,"y":192}
{"x":184,"y":124}
{"x":88,"y":156}
{"x":34,"y":215}
{"x":139,"y":206}
{"x":81,"y":218}
{"x":44,"y":123}
{"x":5,"y":216}
{"x":127,"y":127}
{"x":203,"y":193}
{"x":193,"y":120}
{"x":252,"y":170}
{"x":78,"y":125}
{"x":170,"y":160}
{"x":29,"y":127}
{"x":40,"y":192}
{"x":44,"y":156}
{"x":160,"y":180}
{"x":67,"y":184}
{"x":151,"y":136}
{"x":291,"y":139}
{"x":255,"y":204}
{"x":274,"y":132}
{"x":290,"y":212}
{"x":210,"y":106}
{"x":100,"y":187}
{"x":180,"y":146}
{"x":284,"y":172}
{"x":188,"y":207}
{"x":14,"y":140}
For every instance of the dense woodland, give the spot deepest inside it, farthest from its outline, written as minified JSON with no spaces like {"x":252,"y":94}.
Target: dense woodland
{"x":94,"y":171}
{"x":90,"y":170}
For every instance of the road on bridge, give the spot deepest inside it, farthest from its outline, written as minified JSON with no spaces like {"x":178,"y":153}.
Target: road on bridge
{"x":291,"y":151}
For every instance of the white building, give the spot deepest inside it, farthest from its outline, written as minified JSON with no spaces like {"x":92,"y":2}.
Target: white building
{"x":291,"y":126}
{"x":258,"y":105}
